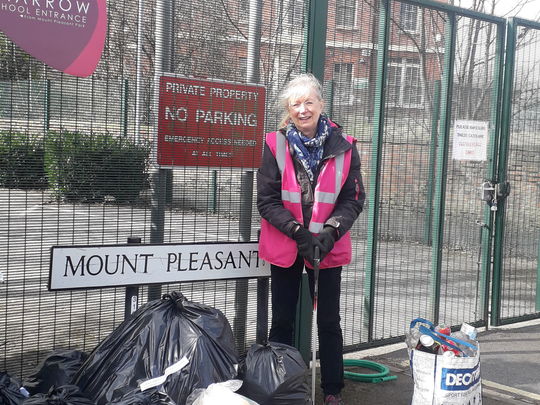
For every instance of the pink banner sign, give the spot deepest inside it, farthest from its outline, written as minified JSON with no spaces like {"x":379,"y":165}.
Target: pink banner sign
{"x":67,"y":35}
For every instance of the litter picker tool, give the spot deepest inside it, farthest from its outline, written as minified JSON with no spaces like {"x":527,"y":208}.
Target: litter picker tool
{"x":316,"y":262}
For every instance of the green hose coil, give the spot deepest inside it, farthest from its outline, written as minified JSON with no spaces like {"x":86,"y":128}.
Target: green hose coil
{"x":380,"y":376}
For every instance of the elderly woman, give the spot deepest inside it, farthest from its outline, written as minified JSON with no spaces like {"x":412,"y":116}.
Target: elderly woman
{"x":310,"y":192}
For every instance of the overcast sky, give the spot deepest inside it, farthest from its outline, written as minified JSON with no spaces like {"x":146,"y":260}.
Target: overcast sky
{"x":530,"y":11}
{"x":507,"y":8}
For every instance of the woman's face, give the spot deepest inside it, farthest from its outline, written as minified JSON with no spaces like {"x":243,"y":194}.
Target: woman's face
{"x":305,"y":112}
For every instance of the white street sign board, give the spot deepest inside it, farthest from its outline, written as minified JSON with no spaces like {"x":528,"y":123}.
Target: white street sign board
{"x":75,"y":267}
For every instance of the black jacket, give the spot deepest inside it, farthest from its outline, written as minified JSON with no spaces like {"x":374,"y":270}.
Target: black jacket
{"x":350,"y":201}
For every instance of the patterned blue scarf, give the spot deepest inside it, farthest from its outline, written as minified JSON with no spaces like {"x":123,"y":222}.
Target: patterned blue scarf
{"x":309,"y":150}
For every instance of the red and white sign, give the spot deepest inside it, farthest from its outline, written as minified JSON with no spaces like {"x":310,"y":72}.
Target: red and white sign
{"x":209,"y":123}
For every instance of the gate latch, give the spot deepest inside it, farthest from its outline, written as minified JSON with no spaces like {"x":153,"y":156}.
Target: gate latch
{"x":488,"y":194}
{"x":493,"y":192}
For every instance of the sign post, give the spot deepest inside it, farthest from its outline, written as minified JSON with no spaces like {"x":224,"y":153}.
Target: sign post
{"x":132,"y":292}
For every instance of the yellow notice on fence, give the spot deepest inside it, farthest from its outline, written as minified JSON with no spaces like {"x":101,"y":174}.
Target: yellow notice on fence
{"x":470,"y":140}
{"x":154,"y":382}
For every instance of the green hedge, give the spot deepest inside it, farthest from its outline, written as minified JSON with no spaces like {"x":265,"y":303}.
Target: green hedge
{"x":22,"y":161}
{"x":89,"y":167}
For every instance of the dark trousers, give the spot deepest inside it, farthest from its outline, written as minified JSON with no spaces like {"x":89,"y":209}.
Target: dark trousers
{"x":285,"y":289}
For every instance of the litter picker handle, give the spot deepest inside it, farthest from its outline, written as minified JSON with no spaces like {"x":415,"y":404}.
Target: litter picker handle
{"x":316,"y":262}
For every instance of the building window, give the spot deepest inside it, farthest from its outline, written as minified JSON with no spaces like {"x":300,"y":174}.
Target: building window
{"x":343,"y":72}
{"x":343,"y":77}
{"x":408,"y":17}
{"x":404,"y":84}
{"x":295,"y":13}
{"x":346,"y":13}
{"x":242,"y":68}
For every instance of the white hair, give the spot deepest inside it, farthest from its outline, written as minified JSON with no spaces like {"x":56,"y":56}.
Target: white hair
{"x":299,"y":87}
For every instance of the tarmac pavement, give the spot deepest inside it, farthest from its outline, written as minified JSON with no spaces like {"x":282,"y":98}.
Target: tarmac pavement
{"x":509,"y":364}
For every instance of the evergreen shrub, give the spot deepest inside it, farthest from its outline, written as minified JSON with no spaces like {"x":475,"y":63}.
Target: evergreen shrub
{"x":22,"y":161}
{"x":90,"y":167}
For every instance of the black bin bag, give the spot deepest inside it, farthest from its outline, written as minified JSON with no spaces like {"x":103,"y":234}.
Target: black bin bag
{"x":64,"y":395}
{"x":10,"y":390}
{"x":56,"y":369}
{"x":274,"y":374}
{"x":148,"y":397}
{"x":170,"y":344}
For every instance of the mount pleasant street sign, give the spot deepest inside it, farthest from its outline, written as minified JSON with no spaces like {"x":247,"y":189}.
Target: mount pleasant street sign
{"x":79,"y":267}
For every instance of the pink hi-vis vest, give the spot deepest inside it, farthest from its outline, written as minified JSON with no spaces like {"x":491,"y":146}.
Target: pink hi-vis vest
{"x":277,"y":248}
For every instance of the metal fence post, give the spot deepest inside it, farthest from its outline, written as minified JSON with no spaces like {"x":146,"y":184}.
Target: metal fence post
{"x":246,"y":184}
{"x":157,"y":215}
{"x":160,"y":177}
{"x":506,"y":119}
{"x":263,"y":293}
{"x":491,"y":173}
{"x":125,"y":104}
{"x":329,"y":97}
{"x":537,"y":304}
{"x":435,"y":114}
{"x":376,"y":162}
{"x":47,"y":106}
{"x":132,"y":292}
{"x":241,"y":290}
{"x":316,"y":21}
{"x":262,"y":309}
{"x":442,"y":164}
{"x":214,"y":197}
{"x":138,"y":71}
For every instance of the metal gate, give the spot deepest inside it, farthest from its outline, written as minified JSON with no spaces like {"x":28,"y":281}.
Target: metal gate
{"x":516,"y":259}
{"x":434,"y":218}
{"x":428,"y":229}
{"x":400,"y":76}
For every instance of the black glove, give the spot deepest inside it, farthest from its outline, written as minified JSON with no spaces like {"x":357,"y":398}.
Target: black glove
{"x":305,"y":241}
{"x":326,"y":240}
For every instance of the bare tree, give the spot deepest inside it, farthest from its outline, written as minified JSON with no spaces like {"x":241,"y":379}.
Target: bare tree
{"x":476,"y":56}
{"x":425,"y":45}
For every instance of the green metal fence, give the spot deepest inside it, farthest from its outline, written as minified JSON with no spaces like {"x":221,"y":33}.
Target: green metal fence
{"x":424,"y":242}
{"x":517,"y":239}
{"x":400,"y":76}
